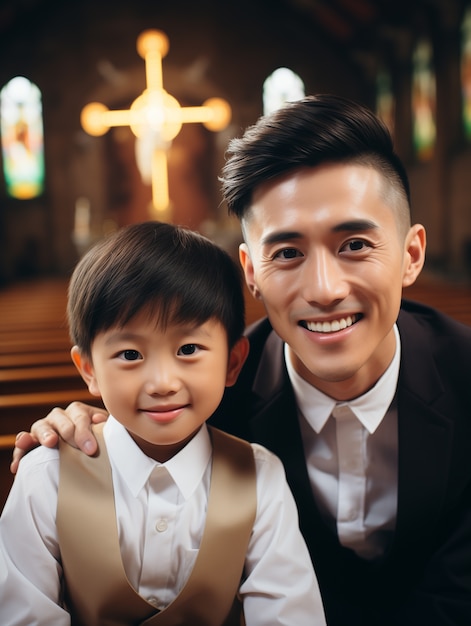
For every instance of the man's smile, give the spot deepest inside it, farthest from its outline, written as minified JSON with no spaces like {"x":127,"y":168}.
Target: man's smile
{"x":331,"y":326}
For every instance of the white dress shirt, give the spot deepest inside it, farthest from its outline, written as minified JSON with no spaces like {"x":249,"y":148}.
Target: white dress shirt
{"x":351,"y":453}
{"x":161,"y":510}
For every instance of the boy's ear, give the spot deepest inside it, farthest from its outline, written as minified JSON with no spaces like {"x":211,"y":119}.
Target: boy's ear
{"x":85,"y":367}
{"x":237,"y":356}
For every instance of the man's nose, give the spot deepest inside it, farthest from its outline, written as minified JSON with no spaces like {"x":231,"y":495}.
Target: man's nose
{"x":323,"y":279}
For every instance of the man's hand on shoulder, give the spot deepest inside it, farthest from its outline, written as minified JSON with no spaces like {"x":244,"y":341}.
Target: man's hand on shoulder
{"x":72,"y":424}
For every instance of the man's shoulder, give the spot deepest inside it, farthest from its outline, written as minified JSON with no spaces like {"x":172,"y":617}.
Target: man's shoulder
{"x":266,"y":349}
{"x":431,"y":321}
{"x":239,"y":401}
{"x":259,"y":331}
{"x":434,"y":342}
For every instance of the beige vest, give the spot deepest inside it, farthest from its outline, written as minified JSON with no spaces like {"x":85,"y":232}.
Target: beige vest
{"x":97,"y":592}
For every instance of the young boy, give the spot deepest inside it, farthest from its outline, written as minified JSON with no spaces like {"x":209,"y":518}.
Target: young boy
{"x":172,"y":521}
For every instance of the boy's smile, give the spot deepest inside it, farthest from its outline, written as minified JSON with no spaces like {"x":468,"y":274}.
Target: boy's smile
{"x":162,"y":385}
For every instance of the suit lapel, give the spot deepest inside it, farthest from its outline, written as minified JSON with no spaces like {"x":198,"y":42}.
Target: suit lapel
{"x":275,"y":424}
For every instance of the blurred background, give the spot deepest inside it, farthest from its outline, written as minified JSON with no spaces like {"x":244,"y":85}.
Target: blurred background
{"x":408,"y":60}
{"x":62,"y":187}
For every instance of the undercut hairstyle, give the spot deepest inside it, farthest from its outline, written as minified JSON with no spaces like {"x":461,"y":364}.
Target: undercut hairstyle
{"x":171,"y":273}
{"x":313,"y":131}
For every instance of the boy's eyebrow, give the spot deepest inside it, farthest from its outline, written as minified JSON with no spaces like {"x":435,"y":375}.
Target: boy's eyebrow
{"x":188,"y":328}
{"x":118,"y":335}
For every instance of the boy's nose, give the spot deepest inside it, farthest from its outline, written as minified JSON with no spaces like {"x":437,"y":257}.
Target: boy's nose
{"x":161,"y":379}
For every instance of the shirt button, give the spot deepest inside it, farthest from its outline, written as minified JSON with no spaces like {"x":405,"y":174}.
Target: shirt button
{"x":161,"y":526}
{"x":152,"y":600}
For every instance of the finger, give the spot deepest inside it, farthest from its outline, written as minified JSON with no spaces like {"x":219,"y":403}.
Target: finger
{"x":83,"y":436}
{"x":48,"y":429}
{"x":99,"y":416}
{"x":18,"y":454}
{"x":83,"y":416}
{"x":24,"y":443}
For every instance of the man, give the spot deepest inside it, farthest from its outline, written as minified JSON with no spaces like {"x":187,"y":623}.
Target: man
{"x":366,"y":400}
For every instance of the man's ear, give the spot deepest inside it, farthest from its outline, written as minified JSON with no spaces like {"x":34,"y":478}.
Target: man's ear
{"x":237,"y":356}
{"x":414,"y":259}
{"x":85,"y":367}
{"x":247,"y":266}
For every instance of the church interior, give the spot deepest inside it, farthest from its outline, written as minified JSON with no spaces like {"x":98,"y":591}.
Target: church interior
{"x":408,"y":61}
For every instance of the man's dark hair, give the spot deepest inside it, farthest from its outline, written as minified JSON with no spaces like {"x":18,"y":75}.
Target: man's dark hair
{"x":313,"y":131}
{"x":165,"y":270}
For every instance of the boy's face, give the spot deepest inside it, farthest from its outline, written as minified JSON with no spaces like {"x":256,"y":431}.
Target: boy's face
{"x":162,"y":385}
{"x":325,"y":254}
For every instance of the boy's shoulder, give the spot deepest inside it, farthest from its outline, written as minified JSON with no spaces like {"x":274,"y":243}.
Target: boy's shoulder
{"x":39,"y":457}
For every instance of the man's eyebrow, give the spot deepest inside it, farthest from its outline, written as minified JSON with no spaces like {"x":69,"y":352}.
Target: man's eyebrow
{"x":290,"y":235}
{"x":354,"y":225}
{"x":282,"y":235}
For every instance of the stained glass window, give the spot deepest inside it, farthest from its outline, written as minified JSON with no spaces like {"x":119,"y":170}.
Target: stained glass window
{"x":466,"y":71}
{"x":21,"y":129}
{"x":283,"y":85}
{"x":423,"y":101}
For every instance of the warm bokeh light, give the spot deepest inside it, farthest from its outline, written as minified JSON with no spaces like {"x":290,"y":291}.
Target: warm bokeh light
{"x":156,"y":114}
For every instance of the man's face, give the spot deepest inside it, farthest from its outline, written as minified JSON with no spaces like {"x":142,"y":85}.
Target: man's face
{"x":324,"y":253}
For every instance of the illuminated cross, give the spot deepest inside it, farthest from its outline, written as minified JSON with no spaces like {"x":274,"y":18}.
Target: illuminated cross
{"x":155,"y":117}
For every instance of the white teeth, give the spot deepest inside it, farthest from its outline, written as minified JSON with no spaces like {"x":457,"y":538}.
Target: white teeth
{"x":331,"y":327}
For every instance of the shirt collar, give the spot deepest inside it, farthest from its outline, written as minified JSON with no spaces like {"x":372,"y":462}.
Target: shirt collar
{"x":370,"y":408}
{"x":186,"y":468}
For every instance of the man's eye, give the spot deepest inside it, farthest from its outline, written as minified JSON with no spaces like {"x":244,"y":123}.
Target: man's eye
{"x":287,"y":253}
{"x":354,"y":245}
{"x":131,"y":355}
{"x":188,"y":349}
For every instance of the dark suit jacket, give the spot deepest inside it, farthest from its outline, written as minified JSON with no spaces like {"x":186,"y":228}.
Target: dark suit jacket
{"x":425,"y":577}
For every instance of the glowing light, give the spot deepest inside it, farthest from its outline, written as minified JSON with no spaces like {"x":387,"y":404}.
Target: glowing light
{"x":155,"y":117}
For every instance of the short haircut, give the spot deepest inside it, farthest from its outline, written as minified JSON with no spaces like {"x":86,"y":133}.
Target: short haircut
{"x":172,"y":273}
{"x":316,"y":130}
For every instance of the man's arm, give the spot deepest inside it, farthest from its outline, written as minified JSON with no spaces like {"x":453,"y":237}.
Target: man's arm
{"x":72,"y":424}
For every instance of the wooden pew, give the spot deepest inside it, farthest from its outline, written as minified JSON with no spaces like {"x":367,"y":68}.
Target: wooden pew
{"x":36,"y":372}
{"x":19,"y":410}
{"x":58,"y":376}
{"x":34,"y":344}
{"x":30,"y":359}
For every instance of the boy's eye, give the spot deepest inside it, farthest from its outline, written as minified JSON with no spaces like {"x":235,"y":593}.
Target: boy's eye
{"x":188,"y":349}
{"x":131,"y":355}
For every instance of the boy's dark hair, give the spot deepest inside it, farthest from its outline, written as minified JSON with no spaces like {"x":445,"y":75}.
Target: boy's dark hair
{"x":316,"y":130}
{"x":166,"y":270}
